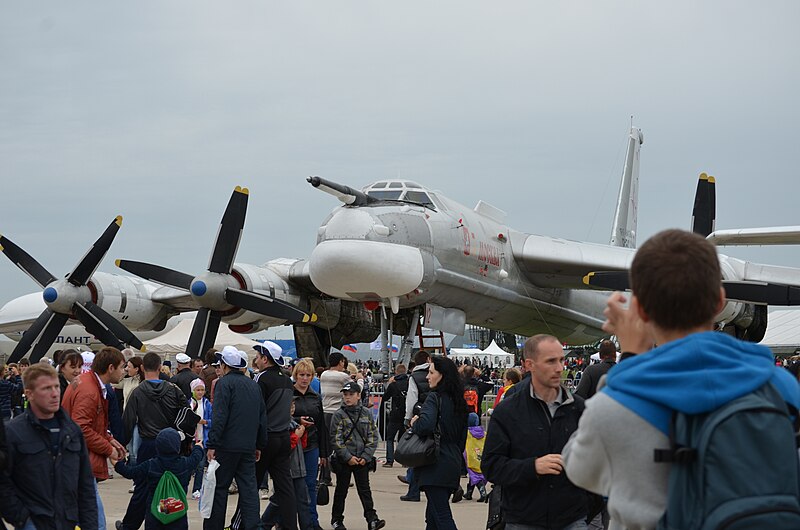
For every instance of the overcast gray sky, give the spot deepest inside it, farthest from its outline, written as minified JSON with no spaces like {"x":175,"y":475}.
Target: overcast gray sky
{"x":157,"y":110}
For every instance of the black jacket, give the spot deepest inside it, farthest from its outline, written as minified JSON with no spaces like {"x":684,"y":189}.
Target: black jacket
{"x":480,"y":386}
{"x":446,"y":471}
{"x":153,"y":407}
{"x":521,"y":430}
{"x":184,"y":379}
{"x":310,"y":404}
{"x":277,"y":389}
{"x":56,"y":493}
{"x":238,"y":417}
{"x":591,"y":376}
{"x":396,"y":391}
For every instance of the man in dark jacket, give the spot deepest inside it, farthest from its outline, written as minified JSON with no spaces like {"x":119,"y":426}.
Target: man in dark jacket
{"x":591,"y":376}
{"x":238,"y":430}
{"x":49,"y":481}
{"x":523,"y":446}
{"x":185,"y":375}
{"x":473,"y":383}
{"x":152,"y":406}
{"x":277,"y":391}
{"x":395,"y":395}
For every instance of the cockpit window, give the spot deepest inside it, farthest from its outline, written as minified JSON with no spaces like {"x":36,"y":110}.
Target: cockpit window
{"x":379,"y":185}
{"x":395,"y":184}
{"x":391,"y":195}
{"x":412,"y":185}
{"x":419,"y":197}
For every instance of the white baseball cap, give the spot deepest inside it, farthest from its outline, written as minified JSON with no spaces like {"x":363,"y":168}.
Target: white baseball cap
{"x":182,"y":358}
{"x":273,"y":350}
{"x":232,"y":357}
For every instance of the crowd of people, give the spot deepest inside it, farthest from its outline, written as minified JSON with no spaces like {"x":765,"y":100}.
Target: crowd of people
{"x":614,"y":448}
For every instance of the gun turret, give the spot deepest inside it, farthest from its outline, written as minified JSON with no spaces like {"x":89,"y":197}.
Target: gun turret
{"x":346,"y":194}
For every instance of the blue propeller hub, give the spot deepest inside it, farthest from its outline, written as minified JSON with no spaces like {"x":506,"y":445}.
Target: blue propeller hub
{"x":199,"y":288}
{"x":50,"y":295}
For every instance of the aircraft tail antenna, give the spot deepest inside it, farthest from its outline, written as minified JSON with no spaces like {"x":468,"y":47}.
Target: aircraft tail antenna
{"x":623,"y":233}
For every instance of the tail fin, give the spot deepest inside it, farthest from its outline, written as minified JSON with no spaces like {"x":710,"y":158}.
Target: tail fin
{"x":623,"y":233}
{"x":704,"y":213}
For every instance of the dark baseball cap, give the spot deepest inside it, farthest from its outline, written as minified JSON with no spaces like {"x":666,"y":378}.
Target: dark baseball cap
{"x":351,"y":386}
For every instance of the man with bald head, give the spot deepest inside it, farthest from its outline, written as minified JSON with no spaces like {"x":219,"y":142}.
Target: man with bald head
{"x":523,"y":446}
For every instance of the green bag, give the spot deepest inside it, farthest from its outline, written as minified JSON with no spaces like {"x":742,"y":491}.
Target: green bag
{"x":169,"y":499}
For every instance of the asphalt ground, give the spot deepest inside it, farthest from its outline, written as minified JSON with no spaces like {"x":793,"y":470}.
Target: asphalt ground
{"x":386,"y":491}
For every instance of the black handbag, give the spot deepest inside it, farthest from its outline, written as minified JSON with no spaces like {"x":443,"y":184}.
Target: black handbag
{"x":323,"y":495}
{"x":414,"y":450}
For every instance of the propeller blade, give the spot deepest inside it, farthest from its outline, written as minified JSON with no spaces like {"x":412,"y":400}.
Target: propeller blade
{"x":96,"y":327}
{"x":271,"y":307}
{"x":608,"y":280}
{"x":230,"y":232}
{"x":89,"y":263}
{"x":26,"y":262}
{"x":40,"y":336}
{"x":112,"y":325}
{"x":762,"y":293}
{"x":204,"y":332}
{"x":704,"y":212}
{"x":157,"y":273}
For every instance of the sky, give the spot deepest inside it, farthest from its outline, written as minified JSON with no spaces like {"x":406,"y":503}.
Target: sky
{"x":156,"y":110}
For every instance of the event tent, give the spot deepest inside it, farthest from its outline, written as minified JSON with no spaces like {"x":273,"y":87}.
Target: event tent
{"x":493,"y":355}
{"x":175,"y":340}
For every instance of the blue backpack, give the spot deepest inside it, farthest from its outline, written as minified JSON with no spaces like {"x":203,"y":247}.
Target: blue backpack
{"x":734,"y":468}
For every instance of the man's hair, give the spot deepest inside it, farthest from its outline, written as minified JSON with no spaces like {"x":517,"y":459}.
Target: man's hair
{"x":468,"y":372}
{"x":210,"y":356}
{"x":531,"y":348}
{"x":25,"y":362}
{"x":335,"y":358}
{"x":607,"y":349}
{"x":400,"y":369}
{"x":106,"y":358}
{"x":676,"y":278}
{"x":35,"y":371}
{"x":512,"y":374}
{"x":421,"y":357}
{"x":195,"y":361}
{"x":151,"y":362}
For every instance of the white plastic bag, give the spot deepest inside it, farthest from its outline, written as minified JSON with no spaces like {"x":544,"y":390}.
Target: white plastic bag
{"x":207,"y":491}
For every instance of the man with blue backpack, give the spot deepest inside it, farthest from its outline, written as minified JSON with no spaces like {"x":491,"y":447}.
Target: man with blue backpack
{"x":698,"y":432}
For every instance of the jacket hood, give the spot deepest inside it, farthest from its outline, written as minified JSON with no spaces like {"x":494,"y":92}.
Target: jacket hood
{"x":155,"y":390}
{"x":400,"y":378}
{"x":477,"y":432}
{"x":693,"y":375}
{"x":168,"y":442}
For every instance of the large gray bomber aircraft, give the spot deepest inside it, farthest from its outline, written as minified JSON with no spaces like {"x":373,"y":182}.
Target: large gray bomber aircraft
{"x":389,"y":255}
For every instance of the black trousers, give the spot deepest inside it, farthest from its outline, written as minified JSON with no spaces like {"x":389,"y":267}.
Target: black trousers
{"x":137,"y":506}
{"x":361,"y":476}
{"x":240,"y":466}
{"x":275,"y":459}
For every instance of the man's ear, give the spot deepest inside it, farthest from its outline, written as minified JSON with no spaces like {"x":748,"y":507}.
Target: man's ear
{"x":722,"y":300}
{"x":635,"y":306}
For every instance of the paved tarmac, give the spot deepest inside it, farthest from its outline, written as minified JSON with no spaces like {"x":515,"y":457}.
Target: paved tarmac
{"x":386,"y":491}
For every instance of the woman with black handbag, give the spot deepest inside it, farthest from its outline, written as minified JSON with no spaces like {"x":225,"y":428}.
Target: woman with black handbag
{"x":446,"y":409}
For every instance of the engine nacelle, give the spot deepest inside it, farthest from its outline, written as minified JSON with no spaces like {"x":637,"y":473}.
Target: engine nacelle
{"x":269,"y":279}
{"x":742,"y":320}
{"x":128,"y":299}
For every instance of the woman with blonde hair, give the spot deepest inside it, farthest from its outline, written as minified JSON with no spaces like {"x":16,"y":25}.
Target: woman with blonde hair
{"x":308,"y":412}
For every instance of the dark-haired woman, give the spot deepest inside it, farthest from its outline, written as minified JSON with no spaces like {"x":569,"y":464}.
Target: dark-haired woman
{"x":446,"y":407}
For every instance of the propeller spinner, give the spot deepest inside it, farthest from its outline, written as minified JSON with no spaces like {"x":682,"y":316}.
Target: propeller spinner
{"x":217,"y":291}
{"x":68,"y":298}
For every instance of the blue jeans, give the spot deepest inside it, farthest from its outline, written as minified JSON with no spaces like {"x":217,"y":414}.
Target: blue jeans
{"x":437,"y":513}
{"x":392,"y":430}
{"x":312,"y":468}
{"x":198,"y":474}
{"x":101,"y":513}
{"x":413,"y":484}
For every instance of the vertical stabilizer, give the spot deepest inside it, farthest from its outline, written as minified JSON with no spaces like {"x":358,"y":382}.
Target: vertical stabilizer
{"x":704,"y":213}
{"x":623,"y":233}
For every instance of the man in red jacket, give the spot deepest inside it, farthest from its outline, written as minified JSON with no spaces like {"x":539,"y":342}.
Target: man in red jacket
{"x":87,"y":404}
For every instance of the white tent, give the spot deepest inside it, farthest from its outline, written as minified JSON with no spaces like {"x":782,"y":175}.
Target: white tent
{"x":175,"y":340}
{"x":493,"y":355}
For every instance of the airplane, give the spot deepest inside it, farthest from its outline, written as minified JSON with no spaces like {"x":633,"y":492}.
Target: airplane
{"x":391,"y":253}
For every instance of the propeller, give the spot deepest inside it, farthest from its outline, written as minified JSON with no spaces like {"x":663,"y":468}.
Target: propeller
{"x":217,"y":291}
{"x":68,"y":298}
{"x":776,"y":294}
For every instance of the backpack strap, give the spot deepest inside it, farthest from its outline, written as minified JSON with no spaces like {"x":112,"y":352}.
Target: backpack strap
{"x":676,"y":454}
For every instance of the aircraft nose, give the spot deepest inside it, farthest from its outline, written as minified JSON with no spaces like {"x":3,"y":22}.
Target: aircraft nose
{"x":360,"y":269}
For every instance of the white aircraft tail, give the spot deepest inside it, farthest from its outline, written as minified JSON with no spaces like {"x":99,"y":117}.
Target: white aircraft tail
{"x":623,"y":233}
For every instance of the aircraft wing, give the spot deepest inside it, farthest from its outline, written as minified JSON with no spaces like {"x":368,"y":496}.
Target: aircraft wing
{"x":175,"y":298}
{"x":776,"y":235}
{"x":552,"y":262}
